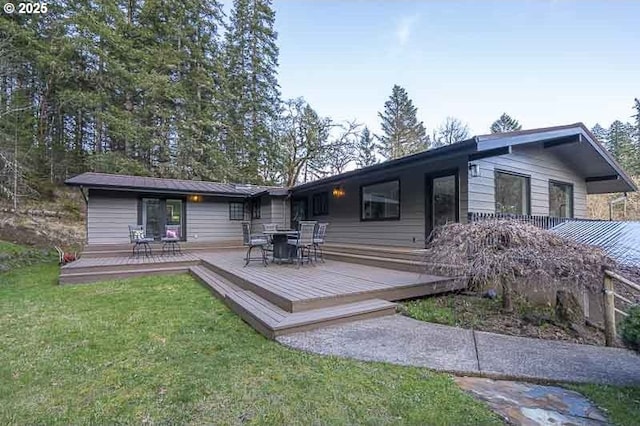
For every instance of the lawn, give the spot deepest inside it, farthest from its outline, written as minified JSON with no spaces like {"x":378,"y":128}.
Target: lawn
{"x":622,"y":404}
{"x":163,"y":350}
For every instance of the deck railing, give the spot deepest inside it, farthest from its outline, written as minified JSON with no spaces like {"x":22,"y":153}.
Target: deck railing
{"x":544,"y":222}
{"x":610,"y":297}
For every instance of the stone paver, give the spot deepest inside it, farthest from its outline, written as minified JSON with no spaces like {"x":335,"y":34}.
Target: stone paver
{"x":530,"y":404}
{"x":401,"y":340}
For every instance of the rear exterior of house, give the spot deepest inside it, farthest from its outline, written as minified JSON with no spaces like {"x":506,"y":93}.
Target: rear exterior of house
{"x":543,"y":172}
{"x":203,"y":213}
{"x":546,"y":173}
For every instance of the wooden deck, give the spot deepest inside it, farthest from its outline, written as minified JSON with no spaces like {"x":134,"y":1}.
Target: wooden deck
{"x":87,"y":270}
{"x":277,"y":299}
{"x":323,"y":284}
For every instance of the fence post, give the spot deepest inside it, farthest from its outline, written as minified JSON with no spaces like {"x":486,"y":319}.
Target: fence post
{"x":609,"y":311}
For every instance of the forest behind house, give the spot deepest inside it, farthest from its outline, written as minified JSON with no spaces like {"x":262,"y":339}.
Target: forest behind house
{"x":183,"y":90}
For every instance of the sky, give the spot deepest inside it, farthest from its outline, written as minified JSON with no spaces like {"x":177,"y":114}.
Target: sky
{"x":543,"y":62}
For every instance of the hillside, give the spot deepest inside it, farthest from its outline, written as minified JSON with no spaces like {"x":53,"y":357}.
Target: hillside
{"x":57,"y":218}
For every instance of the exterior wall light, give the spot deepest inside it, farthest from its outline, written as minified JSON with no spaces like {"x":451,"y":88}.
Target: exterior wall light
{"x":195,"y":198}
{"x":338,"y":192}
{"x":474,"y":170}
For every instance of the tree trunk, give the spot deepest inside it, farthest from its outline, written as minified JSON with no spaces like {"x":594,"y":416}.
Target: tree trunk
{"x":507,"y":295}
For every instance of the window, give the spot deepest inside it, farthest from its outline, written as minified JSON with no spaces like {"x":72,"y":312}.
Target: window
{"x":321,"y":204}
{"x":513,"y":193}
{"x":256,"y":208}
{"x":236,"y":211}
{"x":560,"y":199}
{"x":380,"y":201}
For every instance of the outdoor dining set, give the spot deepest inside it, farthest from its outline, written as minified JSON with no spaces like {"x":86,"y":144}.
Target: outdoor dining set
{"x":285,"y":245}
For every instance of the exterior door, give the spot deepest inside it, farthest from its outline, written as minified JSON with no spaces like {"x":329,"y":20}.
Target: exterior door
{"x":158,"y":213}
{"x":298,"y":211}
{"x":442,"y":200}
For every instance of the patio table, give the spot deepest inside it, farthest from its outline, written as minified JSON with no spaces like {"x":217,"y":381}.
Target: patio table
{"x":281,"y":249}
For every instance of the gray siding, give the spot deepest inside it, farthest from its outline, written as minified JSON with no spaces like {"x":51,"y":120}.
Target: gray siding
{"x":538,"y":163}
{"x":274,"y":210}
{"x":345,"y":226}
{"x":109,"y":216}
{"x":208,"y":221}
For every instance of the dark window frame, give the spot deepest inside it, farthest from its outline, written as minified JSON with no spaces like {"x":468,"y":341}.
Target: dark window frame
{"x":385,"y":219}
{"x":428,"y":199}
{"x":320,"y":204}
{"x":232,"y":210}
{"x":256,"y":208}
{"x":527,"y":195}
{"x":573,"y":199}
{"x":163,"y":202}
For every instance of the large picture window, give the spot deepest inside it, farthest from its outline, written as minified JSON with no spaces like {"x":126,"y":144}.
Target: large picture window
{"x":236,"y":210}
{"x":513,"y":194}
{"x":380,"y":201}
{"x":320,"y":203}
{"x":560,"y":199}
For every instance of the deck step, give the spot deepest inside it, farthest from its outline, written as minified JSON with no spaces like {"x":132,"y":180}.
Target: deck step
{"x":91,"y":277}
{"x":381,"y":262}
{"x":220,"y":286}
{"x":84,"y":265}
{"x":402,"y":253}
{"x":272,"y":321}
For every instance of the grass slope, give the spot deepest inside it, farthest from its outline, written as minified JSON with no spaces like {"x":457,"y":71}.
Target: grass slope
{"x":163,"y":350}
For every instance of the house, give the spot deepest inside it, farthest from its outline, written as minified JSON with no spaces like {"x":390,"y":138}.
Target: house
{"x":541,"y":172}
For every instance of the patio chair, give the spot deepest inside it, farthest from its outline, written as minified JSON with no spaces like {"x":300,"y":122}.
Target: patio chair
{"x":269,"y":227}
{"x":252,"y":241}
{"x":171,"y":240}
{"x":303,"y":242}
{"x":318,"y":240}
{"x":138,"y":239}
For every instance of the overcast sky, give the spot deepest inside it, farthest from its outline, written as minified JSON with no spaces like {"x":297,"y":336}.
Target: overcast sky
{"x":543,"y":62}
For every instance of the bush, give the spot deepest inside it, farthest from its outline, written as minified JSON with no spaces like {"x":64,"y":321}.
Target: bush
{"x":630,"y":328}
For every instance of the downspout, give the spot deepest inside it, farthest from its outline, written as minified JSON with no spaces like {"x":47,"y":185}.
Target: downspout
{"x":86,"y":215}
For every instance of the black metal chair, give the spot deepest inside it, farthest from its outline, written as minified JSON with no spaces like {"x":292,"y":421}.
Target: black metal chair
{"x":303,"y":242}
{"x":252,"y":241}
{"x":171,"y":240}
{"x":318,"y":240}
{"x":138,"y":239}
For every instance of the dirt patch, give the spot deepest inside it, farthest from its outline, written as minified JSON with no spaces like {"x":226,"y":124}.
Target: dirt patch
{"x":473,"y":312}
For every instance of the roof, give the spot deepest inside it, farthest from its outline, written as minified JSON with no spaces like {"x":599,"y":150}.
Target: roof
{"x":573,"y":143}
{"x":179,"y":186}
{"x":620,"y":240}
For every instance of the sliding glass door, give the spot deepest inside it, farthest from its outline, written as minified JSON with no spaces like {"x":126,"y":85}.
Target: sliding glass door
{"x":160,"y":214}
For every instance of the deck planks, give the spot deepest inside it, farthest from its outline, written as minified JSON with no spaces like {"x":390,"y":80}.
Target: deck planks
{"x":325,"y":284}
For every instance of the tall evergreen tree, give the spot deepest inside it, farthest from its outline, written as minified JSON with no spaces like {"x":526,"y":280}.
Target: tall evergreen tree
{"x":600,"y":133}
{"x":620,"y":143}
{"x":252,"y":96}
{"x":402,"y":134}
{"x":366,"y":149}
{"x":505,"y":124}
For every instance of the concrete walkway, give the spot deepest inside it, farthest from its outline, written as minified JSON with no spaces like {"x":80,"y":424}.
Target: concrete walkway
{"x":401,"y":340}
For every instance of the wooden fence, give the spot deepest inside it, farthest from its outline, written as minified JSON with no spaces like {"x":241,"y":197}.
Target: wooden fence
{"x":544,"y":222}
{"x":610,"y":309}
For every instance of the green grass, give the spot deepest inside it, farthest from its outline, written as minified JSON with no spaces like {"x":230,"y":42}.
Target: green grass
{"x":13,"y":256}
{"x":622,"y":404}
{"x":11,"y":248}
{"x":163,"y":350}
